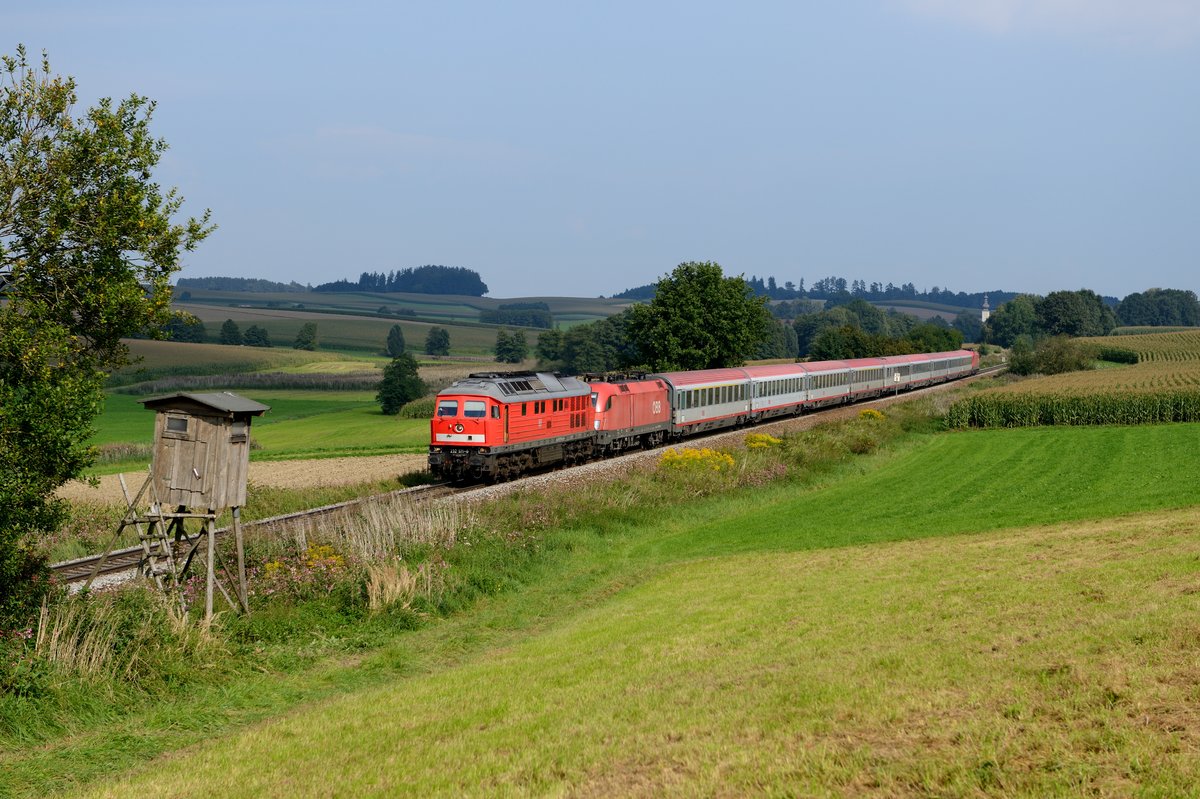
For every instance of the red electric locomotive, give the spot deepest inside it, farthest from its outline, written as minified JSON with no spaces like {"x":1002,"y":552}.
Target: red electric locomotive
{"x":630,"y":413}
{"x":496,"y":425}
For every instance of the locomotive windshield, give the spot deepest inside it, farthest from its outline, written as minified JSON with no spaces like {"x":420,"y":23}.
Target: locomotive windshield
{"x":476,"y":409}
{"x":447,"y":408}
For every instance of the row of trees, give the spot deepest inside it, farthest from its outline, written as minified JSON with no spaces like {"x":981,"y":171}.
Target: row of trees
{"x":840,"y":289}
{"x":253,"y":284}
{"x":1160,"y":308}
{"x":254,"y":336}
{"x":519,"y":314}
{"x":437,"y":342}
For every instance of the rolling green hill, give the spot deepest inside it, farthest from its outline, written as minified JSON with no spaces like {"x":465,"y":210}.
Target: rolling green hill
{"x":978,"y":613}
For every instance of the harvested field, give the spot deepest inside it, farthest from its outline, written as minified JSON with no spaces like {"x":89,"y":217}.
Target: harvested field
{"x":311,"y":473}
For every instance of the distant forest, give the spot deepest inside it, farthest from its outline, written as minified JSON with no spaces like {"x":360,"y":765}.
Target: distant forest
{"x":839,"y":289}
{"x":430,"y":279}
{"x":523,"y":314}
{"x":238,"y":284}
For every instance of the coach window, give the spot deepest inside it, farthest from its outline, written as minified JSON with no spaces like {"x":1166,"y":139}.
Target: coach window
{"x":474,"y":409}
{"x":447,"y":408}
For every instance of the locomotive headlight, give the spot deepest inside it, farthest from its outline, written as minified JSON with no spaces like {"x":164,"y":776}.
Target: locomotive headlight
{"x":458,"y":428}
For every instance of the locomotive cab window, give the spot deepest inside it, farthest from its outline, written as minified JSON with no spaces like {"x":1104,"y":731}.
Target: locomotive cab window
{"x":447,"y":408}
{"x":495,"y":411}
{"x":475,"y":409}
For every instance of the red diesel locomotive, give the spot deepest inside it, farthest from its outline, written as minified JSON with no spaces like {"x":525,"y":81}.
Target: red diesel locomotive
{"x":497,"y":425}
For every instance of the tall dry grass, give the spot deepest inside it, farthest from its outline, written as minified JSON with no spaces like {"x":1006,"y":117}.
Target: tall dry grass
{"x":118,"y":635}
{"x":379,"y":528}
{"x":392,"y":583}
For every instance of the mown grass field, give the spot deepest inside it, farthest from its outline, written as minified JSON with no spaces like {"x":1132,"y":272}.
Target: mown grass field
{"x":975,"y":613}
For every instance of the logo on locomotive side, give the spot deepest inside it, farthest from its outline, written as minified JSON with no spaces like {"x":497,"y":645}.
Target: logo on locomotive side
{"x":656,"y":407}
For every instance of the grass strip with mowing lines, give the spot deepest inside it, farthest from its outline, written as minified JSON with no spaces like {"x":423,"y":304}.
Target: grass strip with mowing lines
{"x":1036,"y":662}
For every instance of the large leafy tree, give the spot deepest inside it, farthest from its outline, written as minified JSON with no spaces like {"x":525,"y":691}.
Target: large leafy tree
{"x":400,"y":384}
{"x":437,"y":341}
{"x":306,"y":338}
{"x":256,"y":336}
{"x":1017,"y":317}
{"x":88,"y":242}
{"x":511,"y":347}
{"x":395,"y":341}
{"x":699,"y":319}
{"x":1075,"y":313}
{"x":230,"y":333}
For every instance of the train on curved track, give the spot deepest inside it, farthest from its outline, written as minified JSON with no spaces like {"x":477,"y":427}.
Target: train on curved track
{"x":498,"y":425}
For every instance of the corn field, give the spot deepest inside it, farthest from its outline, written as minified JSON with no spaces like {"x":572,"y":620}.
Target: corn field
{"x":1026,"y":409}
{"x":1164,"y":386}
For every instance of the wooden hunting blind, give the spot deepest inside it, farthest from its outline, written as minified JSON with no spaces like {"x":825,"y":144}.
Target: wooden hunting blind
{"x":202,"y":448}
{"x":201,"y":456}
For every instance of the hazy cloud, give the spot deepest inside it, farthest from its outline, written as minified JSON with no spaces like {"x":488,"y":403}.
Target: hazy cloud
{"x":1169,"y":23}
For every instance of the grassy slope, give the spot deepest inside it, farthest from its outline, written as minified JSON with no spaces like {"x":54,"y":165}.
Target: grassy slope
{"x":1046,"y":660}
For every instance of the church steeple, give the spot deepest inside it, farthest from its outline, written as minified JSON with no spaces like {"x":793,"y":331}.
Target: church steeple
{"x":987,"y":311}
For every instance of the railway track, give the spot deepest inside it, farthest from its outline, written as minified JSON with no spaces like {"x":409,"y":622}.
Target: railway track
{"x":124,"y":561}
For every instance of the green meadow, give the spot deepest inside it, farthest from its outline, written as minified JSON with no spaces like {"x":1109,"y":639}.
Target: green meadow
{"x":300,"y":424}
{"x":983,"y":613}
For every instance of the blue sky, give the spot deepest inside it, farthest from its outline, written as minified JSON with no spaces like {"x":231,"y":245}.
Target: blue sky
{"x":584,"y":148}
